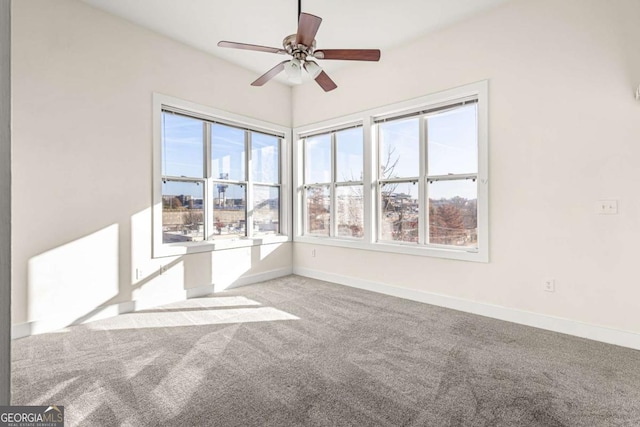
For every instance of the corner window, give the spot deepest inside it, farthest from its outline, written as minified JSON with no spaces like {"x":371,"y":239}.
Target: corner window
{"x":417,"y":186}
{"x":220,"y":180}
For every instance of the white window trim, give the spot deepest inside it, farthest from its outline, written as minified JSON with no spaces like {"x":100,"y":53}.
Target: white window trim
{"x":479,"y":90}
{"x":173,"y":249}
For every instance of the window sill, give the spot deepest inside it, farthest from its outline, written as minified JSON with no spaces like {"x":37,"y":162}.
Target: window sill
{"x":176,"y":249}
{"x":462,"y":254}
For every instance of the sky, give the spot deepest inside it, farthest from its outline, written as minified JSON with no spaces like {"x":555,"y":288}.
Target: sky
{"x":452,"y":149}
{"x":183,"y":155}
{"x":349,"y":156}
{"x":451,"y":139}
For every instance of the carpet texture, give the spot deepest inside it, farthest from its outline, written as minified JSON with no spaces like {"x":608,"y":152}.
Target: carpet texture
{"x":302,"y":352}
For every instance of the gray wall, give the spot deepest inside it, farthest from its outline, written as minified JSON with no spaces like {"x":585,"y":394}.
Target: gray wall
{"x":5,"y":202}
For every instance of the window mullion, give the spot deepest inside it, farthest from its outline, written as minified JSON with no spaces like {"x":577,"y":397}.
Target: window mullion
{"x":377,"y":185}
{"x":208,"y":208}
{"x":207,"y":203}
{"x":303,"y":175}
{"x":248,"y":188}
{"x":368,"y":177}
{"x":332,"y":189}
{"x":423,"y":190}
{"x":304,"y":211}
{"x":207,"y":149}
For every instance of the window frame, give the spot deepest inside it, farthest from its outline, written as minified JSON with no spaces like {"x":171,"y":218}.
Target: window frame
{"x":478,"y":90}
{"x":332,"y":184}
{"x":159,"y":249}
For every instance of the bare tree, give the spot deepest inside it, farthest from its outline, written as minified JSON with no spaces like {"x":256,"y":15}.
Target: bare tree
{"x":387,"y":171}
{"x":192,"y":219}
{"x":388,"y":168}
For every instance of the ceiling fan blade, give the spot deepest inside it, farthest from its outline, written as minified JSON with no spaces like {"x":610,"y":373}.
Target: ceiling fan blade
{"x":325,"y":82}
{"x":348,"y":54}
{"x":255,"y":47}
{"x":307,"y":28}
{"x":269,"y":74}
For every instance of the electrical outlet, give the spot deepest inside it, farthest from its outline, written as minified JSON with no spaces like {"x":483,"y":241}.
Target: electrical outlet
{"x":607,"y":207}
{"x":550,"y":285}
{"x":313,"y":253}
{"x":138,"y":273}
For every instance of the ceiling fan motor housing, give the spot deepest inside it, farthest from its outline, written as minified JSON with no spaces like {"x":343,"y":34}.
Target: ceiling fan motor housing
{"x":298,"y":51}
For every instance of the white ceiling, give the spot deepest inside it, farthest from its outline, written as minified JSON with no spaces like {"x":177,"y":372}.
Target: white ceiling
{"x":348,"y":24}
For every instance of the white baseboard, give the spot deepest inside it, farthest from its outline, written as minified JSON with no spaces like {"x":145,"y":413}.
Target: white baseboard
{"x":555,"y":324}
{"x":21,"y":330}
{"x":261,"y":277}
{"x":26,"y":329}
{"x":242,"y":281}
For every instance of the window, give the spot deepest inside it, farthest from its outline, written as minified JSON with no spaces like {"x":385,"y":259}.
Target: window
{"x":333,"y":183}
{"x":418,"y":184}
{"x":443,"y":143}
{"x":220,"y":180}
{"x":399,"y":175}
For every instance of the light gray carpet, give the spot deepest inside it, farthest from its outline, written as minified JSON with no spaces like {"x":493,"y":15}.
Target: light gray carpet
{"x":296,"y":351}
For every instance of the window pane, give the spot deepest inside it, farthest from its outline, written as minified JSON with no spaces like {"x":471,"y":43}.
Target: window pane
{"x":182,"y":146}
{"x":399,"y":149}
{"x":453,"y":141}
{"x":227,"y":153}
{"x":399,"y":212}
{"x":265,"y":158}
{"x":349,"y":210}
{"x":349,"y":157}
{"x":453,"y":213}
{"x":266,"y":210}
{"x":182,"y":212}
{"x":229,"y":210}
{"x":318,"y":211}
{"x":317,"y":161}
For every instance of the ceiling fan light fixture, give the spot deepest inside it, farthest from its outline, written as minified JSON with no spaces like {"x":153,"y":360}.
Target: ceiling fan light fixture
{"x":294,"y":71}
{"x":312,"y":68}
{"x":301,"y":45}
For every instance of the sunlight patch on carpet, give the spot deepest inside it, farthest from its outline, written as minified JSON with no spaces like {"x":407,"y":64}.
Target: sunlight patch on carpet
{"x":191,"y":318}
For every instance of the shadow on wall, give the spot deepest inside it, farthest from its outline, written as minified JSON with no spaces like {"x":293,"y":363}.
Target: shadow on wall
{"x":111,"y":271}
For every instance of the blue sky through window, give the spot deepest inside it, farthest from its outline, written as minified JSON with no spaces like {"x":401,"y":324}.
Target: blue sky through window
{"x":452,"y":138}
{"x":227,"y":153}
{"x":349,"y":155}
{"x":182,"y":146}
{"x":453,"y":141}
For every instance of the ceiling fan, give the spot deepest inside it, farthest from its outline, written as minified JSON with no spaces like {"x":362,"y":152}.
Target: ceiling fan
{"x":302,"y":47}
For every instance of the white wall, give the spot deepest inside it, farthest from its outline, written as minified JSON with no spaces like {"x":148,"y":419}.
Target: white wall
{"x":5,"y":201}
{"x":564,"y":132}
{"x":82,"y":138}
